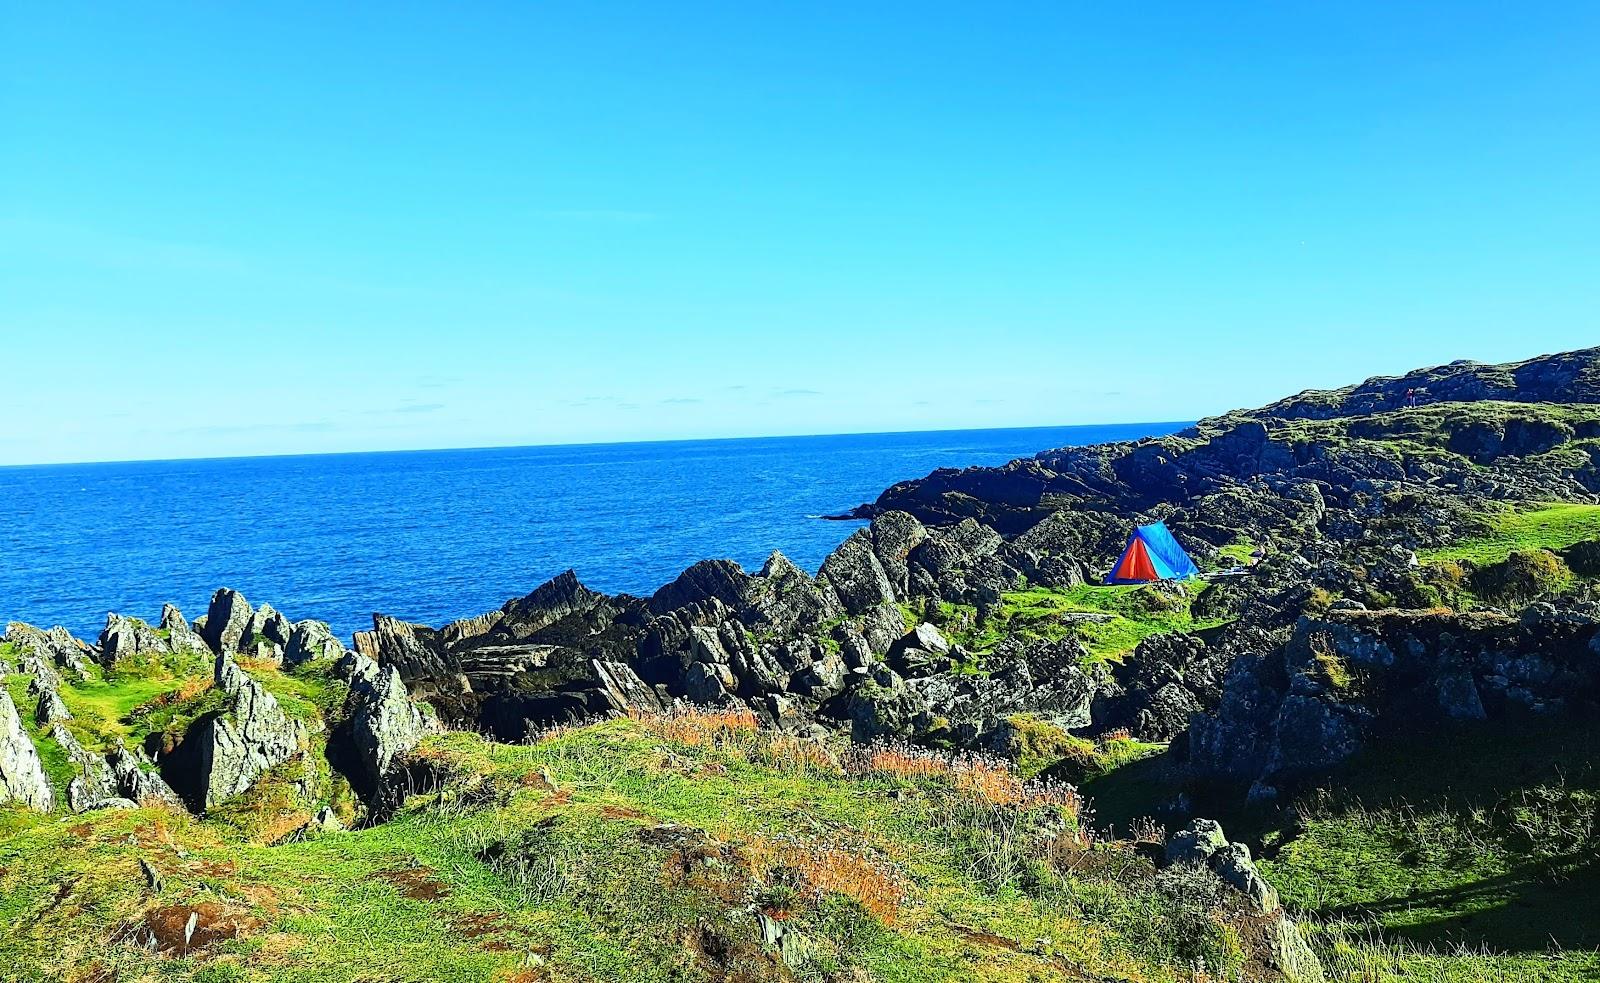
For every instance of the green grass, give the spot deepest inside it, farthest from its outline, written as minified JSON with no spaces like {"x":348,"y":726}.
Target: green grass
{"x":1474,"y":851}
{"x":1550,"y":527}
{"x":306,"y":692}
{"x":1238,"y":553}
{"x":1134,"y":612}
{"x":642,"y":849}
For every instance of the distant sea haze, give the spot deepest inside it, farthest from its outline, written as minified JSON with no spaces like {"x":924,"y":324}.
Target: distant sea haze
{"x":431,"y":536}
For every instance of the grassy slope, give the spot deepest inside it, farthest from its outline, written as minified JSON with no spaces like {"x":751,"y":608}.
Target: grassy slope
{"x":1552,"y":527}
{"x":607,"y":890}
{"x":1480,"y":841}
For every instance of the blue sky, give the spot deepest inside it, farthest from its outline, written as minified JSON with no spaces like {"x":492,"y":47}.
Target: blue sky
{"x":298,"y":228}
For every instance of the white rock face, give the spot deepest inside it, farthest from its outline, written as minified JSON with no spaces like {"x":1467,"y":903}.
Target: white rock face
{"x":22,"y":777}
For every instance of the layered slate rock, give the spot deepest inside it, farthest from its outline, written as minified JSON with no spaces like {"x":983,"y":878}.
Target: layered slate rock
{"x":223,"y":753}
{"x":414,"y":650}
{"x":720,"y":579}
{"x":22,"y":775}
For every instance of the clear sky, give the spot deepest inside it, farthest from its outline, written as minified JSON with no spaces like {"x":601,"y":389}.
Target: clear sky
{"x":270,"y":228}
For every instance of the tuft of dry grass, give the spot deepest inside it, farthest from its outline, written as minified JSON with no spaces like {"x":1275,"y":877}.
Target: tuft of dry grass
{"x":698,"y":726}
{"x":989,"y":780}
{"x":836,"y":868}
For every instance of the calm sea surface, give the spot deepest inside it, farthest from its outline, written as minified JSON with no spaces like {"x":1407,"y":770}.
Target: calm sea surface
{"x":435,"y":535}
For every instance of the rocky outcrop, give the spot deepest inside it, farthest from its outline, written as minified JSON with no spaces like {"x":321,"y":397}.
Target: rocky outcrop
{"x":720,"y":579}
{"x":223,"y":753}
{"x":1298,"y":710}
{"x":311,"y":641}
{"x":415,"y":650}
{"x":1204,"y":846}
{"x":856,"y":576}
{"x":22,"y":775}
{"x":136,"y":778}
{"x":48,"y":652}
{"x":383,"y":724}
{"x":125,"y":638}
{"x":51,"y":709}
{"x":227,"y":619}
{"x":1264,"y":473}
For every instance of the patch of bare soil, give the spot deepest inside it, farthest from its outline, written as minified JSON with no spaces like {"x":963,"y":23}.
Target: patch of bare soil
{"x":181,"y":929}
{"x":416,"y":883}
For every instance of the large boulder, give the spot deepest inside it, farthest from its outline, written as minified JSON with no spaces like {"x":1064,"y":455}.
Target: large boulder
{"x":1204,"y":845}
{"x":384,"y":725}
{"x":125,"y":638}
{"x":894,"y":535}
{"x":22,"y":775}
{"x":172,"y":619}
{"x":268,"y":623}
{"x":311,"y":641}
{"x":94,"y":780}
{"x":136,"y":778}
{"x":223,"y":753}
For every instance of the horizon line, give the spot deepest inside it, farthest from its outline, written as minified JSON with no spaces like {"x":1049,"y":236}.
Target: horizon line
{"x":1179,"y":424}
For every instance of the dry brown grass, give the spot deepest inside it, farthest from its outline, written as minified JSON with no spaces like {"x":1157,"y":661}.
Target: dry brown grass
{"x":699,"y":726}
{"x":786,"y":752}
{"x":988,"y":780}
{"x":251,"y":663}
{"x":872,"y":882}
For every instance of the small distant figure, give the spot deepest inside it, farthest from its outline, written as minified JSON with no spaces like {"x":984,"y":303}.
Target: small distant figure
{"x":1411,"y":397}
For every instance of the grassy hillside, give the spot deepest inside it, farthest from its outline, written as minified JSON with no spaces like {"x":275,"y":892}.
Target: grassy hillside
{"x":632,"y":850}
{"x":1472,"y":855}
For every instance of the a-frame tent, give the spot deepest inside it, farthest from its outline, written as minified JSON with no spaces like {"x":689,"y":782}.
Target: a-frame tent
{"x":1151,"y":554}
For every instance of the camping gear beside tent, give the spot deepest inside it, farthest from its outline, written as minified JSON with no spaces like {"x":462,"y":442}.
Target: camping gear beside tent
{"x":1151,"y":554}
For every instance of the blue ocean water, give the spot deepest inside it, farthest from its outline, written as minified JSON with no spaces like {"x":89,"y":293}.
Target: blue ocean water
{"x":431,"y":536}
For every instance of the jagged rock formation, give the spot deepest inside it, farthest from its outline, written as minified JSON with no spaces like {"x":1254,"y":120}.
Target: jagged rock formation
{"x":383,"y":724}
{"x":45,"y":653}
{"x":226,"y":621}
{"x":223,"y":753}
{"x":22,"y":777}
{"x":1343,"y":678}
{"x":310,"y":641}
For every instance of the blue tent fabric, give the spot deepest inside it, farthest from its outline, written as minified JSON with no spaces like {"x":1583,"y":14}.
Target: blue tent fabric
{"x":1167,"y":559}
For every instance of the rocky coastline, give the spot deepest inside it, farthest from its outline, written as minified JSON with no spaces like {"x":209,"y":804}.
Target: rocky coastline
{"x":961,"y":618}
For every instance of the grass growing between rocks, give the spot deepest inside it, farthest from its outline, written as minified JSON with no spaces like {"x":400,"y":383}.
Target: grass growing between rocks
{"x":649,"y":849}
{"x":1548,"y":527}
{"x":1110,"y":620}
